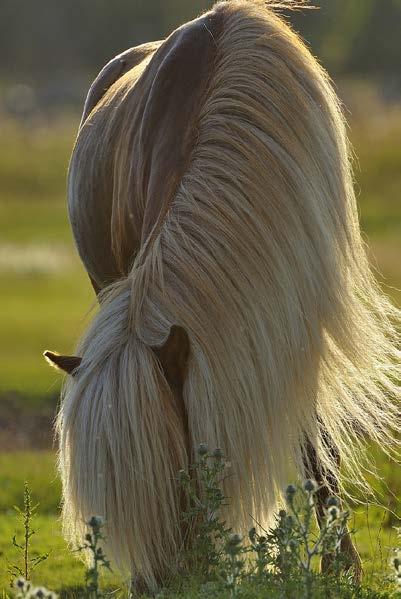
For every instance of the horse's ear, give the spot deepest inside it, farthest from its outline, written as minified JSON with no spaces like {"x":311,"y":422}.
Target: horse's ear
{"x":173,"y":356}
{"x":67,"y":363}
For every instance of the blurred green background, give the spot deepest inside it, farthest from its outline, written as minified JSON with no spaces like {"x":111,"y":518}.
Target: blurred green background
{"x":50,"y":53}
{"x":48,"y":60}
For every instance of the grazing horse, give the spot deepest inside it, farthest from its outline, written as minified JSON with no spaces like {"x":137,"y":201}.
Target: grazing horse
{"x":211,"y":199}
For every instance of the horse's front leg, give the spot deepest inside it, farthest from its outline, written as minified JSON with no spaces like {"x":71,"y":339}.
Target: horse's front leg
{"x":329,"y":486}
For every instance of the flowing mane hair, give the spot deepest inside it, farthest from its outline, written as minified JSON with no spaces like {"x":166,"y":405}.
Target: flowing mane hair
{"x":259,"y":257}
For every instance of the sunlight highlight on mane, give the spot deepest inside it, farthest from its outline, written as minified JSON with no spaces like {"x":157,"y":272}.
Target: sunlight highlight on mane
{"x":260,"y":259}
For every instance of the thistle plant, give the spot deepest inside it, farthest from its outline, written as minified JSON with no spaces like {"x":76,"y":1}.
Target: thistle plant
{"x":24,"y":590}
{"x":259,"y":546}
{"x":396,"y":566}
{"x":28,"y":563}
{"x":205,"y":499}
{"x":290,"y":549}
{"x":92,"y":544}
{"x":278,"y":563}
{"x":234,"y":570}
{"x":283,"y":556}
{"x":273,"y":549}
{"x":298,"y":545}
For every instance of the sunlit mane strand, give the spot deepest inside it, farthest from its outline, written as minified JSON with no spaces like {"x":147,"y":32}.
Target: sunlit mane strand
{"x":258,"y":256}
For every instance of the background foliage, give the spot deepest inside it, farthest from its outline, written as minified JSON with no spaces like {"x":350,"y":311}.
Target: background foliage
{"x":50,"y":52}
{"x":54,"y":46}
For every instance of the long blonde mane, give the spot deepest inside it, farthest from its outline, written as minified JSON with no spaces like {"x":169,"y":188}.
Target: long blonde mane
{"x":260,"y":259}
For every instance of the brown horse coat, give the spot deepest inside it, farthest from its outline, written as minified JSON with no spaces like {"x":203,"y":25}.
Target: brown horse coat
{"x":166,"y":98}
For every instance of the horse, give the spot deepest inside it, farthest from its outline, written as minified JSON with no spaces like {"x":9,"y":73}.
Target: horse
{"x":211,"y":198}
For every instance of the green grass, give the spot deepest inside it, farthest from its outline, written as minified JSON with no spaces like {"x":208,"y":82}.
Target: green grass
{"x":39,"y":469}
{"x":43,"y":312}
{"x":35,"y":221}
{"x":375,"y":536}
{"x":378,"y":174}
{"x":34,"y":159}
{"x":63,"y":569}
{"x":40,"y":308}
{"x":43,"y":308}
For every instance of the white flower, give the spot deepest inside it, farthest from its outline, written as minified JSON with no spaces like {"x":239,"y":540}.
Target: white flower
{"x":333,"y":513}
{"x":20,"y":584}
{"x":310,"y":486}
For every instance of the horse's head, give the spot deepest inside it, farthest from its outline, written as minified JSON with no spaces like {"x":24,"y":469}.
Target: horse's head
{"x":172,"y":356}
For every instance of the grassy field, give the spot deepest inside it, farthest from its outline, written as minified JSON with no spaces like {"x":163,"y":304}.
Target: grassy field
{"x":45,"y":301}
{"x":44,"y":293}
{"x":45,"y":296}
{"x":376,"y":536}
